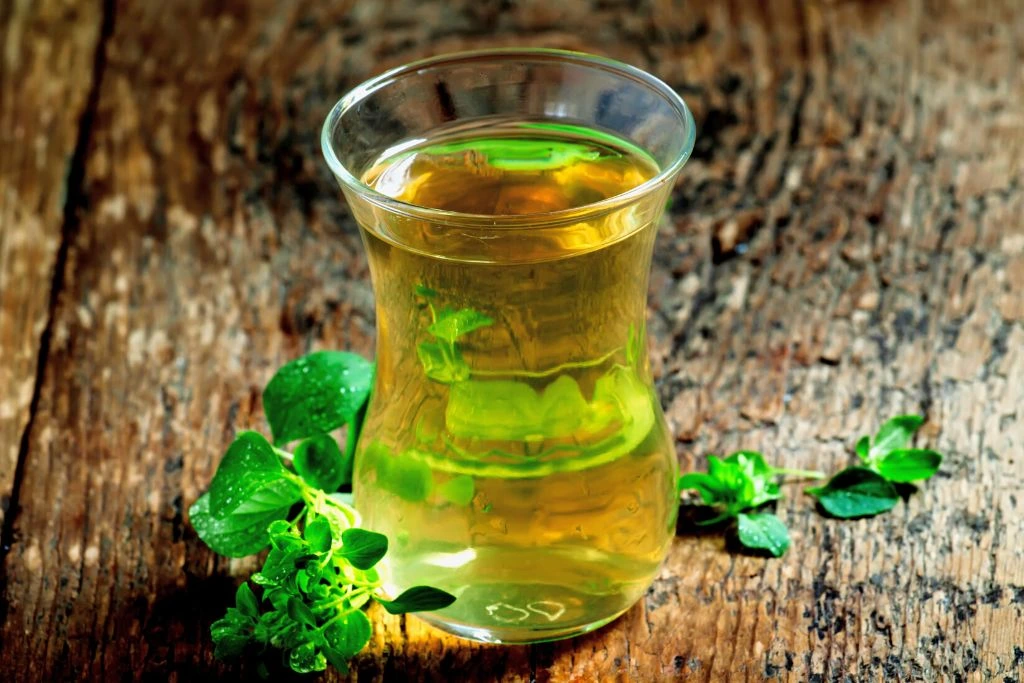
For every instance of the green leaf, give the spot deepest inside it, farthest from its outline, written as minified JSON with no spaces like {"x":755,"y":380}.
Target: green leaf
{"x":231,"y":634}
{"x":426,"y":292}
{"x":562,"y":409}
{"x":316,"y":394}
{"x":250,"y":479}
{"x":306,"y":658}
{"x":227,"y":643}
{"x":245,"y":601}
{"x":309,"y":562}
{"x":762,"y":531}
{"x":911,"y":464}
{"x":506,"y":410}
{"x":272,"y":495}
{"x":710,"y":489}
{"x":863,"y":447}
{"x":277,"y":567}
{"x":440,"y":364}
{"x":450,"y":325}
{"x":339,"y":518}
{"x":319,"y":461}
{"x":741,"y":481}
{"x":284,"y":536}
{"x":235,"y":535}
{"x":403,"y":475}
{"x":318,"y":533}
{"x":349,"y":634}
{"x":856,"y":492}
{"x":737,"y":486}
{"x":363,"y":548}
{"x":335,"y":658}
{"x":751,"y":462}
{"x":493,"y":410}
{"x":458,"y":490}
{"x":894,"y":434}
{"x":418,"y":599}
{"x":278,"y":528}
{"x":300,"y":612}
{"x":631,"y":400}
{"x":278,"y":599}
{"x":761,"y":476}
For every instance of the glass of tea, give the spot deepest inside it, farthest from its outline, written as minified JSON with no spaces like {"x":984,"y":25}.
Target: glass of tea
{"x":514,"y":451}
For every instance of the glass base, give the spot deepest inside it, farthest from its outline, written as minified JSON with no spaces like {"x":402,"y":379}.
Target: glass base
{"x":516,"y":636}
{"x":516,"y":596}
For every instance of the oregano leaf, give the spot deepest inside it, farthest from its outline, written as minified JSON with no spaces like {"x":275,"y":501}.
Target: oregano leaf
{"x":320,"y":463}
{"x":451,"y":325}
{"x":363,"y":549}
{"x":894,"y":434}
{"x":856,"y":492}
{"x":245,"y":601}
{"x":316,"y":394}
{"x":318,"y":534}
{"x":349,"y":634}
{"x":909,"y":464}
{"x":762,"y":531}
{"x":250,"y":479}
{"x":418,"y":599}
{"x":863,"y":447}
{"x":234,"y":535}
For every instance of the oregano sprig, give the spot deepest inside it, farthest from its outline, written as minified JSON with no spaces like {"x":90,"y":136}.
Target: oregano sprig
{"x":320,"y":571}
{"x":870,"y":489}
{"x":737,"y":487}
{"x":442,"y":358}
{"x":742,"y":483}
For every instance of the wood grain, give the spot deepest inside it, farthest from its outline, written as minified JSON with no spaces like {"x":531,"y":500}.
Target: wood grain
{"x":46,"y":72}
{"x":845,"y":244}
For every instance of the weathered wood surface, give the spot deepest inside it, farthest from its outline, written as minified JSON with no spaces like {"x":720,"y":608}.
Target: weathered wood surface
{"x":46,"y":67}
{"x":846,"y":243}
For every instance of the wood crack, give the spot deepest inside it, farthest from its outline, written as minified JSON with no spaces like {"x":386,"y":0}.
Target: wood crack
{"x":74,"y":200}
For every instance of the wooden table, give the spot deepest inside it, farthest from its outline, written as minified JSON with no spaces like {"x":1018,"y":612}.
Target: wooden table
{"x":847,"y":243}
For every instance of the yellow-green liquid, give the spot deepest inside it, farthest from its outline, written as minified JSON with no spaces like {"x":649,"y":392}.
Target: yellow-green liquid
{"x":535,"y":478}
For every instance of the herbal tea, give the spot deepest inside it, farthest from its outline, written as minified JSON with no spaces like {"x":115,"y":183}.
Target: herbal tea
{"x":514,"y":452}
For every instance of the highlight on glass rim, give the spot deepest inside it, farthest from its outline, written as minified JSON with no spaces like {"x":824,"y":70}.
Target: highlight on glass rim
{"x":511,"y":340}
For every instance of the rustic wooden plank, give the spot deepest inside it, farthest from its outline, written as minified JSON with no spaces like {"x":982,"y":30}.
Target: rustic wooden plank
{"x":871,"y":288}
{"x":46,"y":70}
{"x":214,"y":249}
{"x":846,"y":243}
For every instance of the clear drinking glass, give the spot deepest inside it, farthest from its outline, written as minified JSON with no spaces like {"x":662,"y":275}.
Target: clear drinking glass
{"x":514,"y":451}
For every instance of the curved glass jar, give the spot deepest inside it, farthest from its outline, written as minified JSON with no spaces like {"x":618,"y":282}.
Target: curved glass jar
{"x":514,"y":450}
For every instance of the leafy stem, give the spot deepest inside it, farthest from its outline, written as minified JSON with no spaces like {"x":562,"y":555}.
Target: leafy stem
{"x":798,"y":474}
{"x":744,"y":482}
{"x":740,"y":483}
{"x":321,"y":567}
{"x":442,"y":358}
{"x":870,"y":489}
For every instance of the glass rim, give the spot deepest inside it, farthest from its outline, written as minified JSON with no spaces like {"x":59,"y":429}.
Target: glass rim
{"x":493,"y":221}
